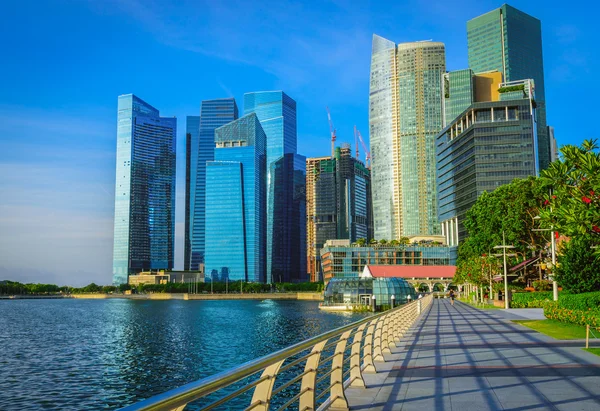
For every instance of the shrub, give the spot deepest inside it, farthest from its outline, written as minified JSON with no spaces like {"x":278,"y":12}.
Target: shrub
{"x":579,"y":269}
{"x":585,"y":301}
{"x":530,"y":300}
{"x":554,"y":311}
{"x":542,"y":285}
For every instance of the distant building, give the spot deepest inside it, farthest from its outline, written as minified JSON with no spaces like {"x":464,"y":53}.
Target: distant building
{"x":553,"y":145}
{"x":488,"y":145}
{"x":236,"y":202}
{"x":285,"y":241}
{"x":510,"y":42}
{"x":405,"y":115}
{"x":341,"y":259}
{"x":164,"y":277}
{"x":338,"y":203}
{"x":288,"y":233}
{"x":200,"y":148}
{"x":144,"y":226}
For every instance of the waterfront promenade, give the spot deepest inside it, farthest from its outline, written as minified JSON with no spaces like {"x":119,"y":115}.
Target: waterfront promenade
{"x":461,"y":358}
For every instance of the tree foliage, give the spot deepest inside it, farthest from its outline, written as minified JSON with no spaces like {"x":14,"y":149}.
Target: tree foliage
{"x":578,"y":270}
{"x":573,"y":208}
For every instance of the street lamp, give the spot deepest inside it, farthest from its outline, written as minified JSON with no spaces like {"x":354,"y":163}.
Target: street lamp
{"x":553,"y":245}
{"x":504,"y":255}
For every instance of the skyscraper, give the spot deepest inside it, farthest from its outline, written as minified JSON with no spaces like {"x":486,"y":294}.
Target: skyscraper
{"x":200,"y":148}
{"x":337,"y":203}
{"x":276,"y":112}
{"x":235,"y":202}
{"x":510,"y":41}
{"x":144,"y":189}
{"x":405,"y":115}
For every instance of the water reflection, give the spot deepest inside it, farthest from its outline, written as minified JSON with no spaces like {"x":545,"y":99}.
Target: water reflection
{"x":91,"y":354}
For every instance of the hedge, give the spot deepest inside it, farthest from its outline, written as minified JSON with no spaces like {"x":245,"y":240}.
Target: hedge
{"x":530,"y":300}
{"x":554,"y":311}
{"x":583,"y":301}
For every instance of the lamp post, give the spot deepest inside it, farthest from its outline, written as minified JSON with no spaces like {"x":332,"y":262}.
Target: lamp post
{"x":553,"y":248}
{"x":373,"y":303}
{"x":393,"y":297}
{"x":504,"y":255}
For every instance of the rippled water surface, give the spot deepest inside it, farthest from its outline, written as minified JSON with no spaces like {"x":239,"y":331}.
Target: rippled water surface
{"x":105,"y":354}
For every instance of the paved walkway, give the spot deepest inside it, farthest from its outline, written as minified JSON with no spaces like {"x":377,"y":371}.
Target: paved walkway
{"x":461,"y":358}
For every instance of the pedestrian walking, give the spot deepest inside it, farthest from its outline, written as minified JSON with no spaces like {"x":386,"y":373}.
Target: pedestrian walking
{"x":451,"y":294}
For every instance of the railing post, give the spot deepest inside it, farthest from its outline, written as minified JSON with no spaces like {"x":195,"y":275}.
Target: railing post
{"x":385,"y":344}
{"x":307,"y":390}
{"x":368,"y":349}
{"x":587,"y":336}
{"x":337,"y":396}
{"x":356,"y":378}
{"x":377,"y":354}
{"x":262,"y":392}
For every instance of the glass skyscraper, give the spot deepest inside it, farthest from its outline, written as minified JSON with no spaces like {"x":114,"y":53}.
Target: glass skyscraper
{"x":510,"y":41}
{"x":144,"y":233}
{"x":200,"y":148}
{"x":405,"y":115}
{"x":276,"y":112}
{"x":236,"y":202}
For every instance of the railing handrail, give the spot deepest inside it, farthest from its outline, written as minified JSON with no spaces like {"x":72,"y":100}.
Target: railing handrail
{"x":195,"y":390}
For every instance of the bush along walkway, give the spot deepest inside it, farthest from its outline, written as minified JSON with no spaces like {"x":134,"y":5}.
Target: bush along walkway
{"x":461,"y":358}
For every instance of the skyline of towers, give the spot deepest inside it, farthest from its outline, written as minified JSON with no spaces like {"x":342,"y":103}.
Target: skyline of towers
{"x":200,"y":148}
{"x":510,"y":41}
{"x":236,"y":202}
{"x":144,"y":223}
{"x":405,"y":114}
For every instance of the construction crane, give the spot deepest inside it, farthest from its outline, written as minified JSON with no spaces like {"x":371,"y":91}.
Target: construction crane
{"x":367,"y":152}
{"x":332,"y":131}
{"x":356,"y":141}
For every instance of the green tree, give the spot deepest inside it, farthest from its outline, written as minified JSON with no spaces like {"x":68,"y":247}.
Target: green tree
{"x":383,"y":242}
{"x":404,"y":241}
{"x":578,"y":269}
{"x":361,"y":242}
{"x":573,"y":207}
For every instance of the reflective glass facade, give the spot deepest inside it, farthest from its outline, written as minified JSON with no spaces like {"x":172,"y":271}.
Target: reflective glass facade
{"x":236,"y":203}
{"x":287,"y":260}
{"x":277,"y":114}
{"x":349,"y":261}
{"x":405,"y":116}
{"x":144,"y":231}
{"x":487,"y":146}
{"x":458,"y":93}
{"x":200,"y":143}
{"x":358,"y":291}
{"x":338,"y":203}
{"x":510,"y":41}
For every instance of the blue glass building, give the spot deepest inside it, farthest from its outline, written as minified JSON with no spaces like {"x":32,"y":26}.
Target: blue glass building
{"x":277,"y":114}
{"x":144,"y":228}
{"x":236,"y":202}
{"x":200,"y":148}
{"x":287,"y":262}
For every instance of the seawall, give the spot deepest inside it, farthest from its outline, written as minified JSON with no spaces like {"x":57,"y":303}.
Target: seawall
{"x":186,"y":296}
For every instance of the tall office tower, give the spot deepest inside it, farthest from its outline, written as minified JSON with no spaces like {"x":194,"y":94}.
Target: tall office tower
{"x":337,"y":203}
{"x":200,"y":148}
{"x":404,"y":118}
{"x":144,"y":189}
{"x":510,"y":41}
{"x":487,"y":145}
{"x":236,"y":203}
{"x":277,"y":114}
{"x":288,"y":243}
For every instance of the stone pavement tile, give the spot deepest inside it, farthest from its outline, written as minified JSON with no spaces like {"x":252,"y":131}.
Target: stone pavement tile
{"x":567,"y":403}
{"x":476,"y":404}
{"x":441,"y":403}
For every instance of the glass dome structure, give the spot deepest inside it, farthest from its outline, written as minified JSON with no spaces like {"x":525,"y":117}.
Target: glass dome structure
{"x":358,"y":291}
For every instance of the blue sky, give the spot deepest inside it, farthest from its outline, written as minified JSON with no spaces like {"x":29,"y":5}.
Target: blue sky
{"x":63,"y":64}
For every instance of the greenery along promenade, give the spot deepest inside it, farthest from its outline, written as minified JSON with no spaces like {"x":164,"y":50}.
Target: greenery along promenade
{"x":565,"y":199}
{"x":15,"y":288}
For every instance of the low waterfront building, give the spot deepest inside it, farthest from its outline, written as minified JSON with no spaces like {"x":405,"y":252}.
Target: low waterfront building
{"x":422,"y":277}
{"x":165,"y":277}
{"x":348,"y":294}
{"x":342,"y":259}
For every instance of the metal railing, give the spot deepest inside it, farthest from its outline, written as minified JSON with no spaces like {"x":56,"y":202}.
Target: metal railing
{"x":303,"y":373}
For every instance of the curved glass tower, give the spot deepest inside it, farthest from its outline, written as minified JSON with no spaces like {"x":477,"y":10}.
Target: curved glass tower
{"x":405,"y":103}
